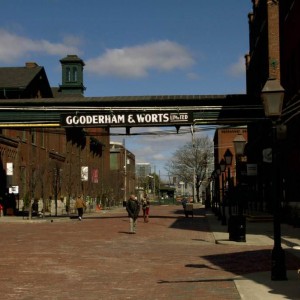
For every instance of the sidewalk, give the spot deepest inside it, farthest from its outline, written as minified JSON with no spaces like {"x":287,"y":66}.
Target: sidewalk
{"x":258,"y":286}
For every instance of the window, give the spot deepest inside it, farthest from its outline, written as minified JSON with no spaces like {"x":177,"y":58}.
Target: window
{"x":68,"y":74}
{"x":74,"y":74}
{"x":114,"y":161}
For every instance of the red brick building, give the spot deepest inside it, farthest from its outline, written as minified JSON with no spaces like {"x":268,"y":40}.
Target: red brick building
{"x":122,"y":168}
{"x":275,"y":53}
{"x":290,"y":80}
{"x":223,"y":140}
{"x":50,"y":165}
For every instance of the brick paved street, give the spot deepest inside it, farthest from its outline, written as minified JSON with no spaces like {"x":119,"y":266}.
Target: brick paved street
{"x":171,"y":257}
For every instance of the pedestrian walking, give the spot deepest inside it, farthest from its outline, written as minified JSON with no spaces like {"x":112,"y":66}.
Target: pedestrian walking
{"x":80,"y":205}
{"x":146,"y":208}
{"x":133,"y":209}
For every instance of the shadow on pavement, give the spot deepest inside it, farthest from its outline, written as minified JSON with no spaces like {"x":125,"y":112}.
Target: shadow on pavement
{"x":245,"y":262}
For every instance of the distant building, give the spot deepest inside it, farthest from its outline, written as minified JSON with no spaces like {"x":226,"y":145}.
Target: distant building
{"x":143,"y":169}
{"x":223,"y":140}
{"x":122,"y":170}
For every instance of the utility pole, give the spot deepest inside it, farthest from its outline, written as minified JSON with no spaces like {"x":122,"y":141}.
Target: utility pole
{"x":125,"y":170}
{"x":154,"y":181}
{"x":159,"y":185}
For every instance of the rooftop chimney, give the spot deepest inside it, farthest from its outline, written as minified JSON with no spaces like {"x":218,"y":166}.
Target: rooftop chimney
{"x":31,"y":64}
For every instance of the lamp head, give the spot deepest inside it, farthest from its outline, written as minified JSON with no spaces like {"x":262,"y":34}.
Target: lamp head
{"x":239,"y":143}
{"x":228,"y":157}
{"x":272,"y":96}
{"x":222,"y":165}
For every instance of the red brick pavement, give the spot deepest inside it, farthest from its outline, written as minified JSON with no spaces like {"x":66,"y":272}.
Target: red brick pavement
{"x":171,"y":257}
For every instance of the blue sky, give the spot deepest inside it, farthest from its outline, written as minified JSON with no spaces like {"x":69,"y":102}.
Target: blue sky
{"x":134,"y":47}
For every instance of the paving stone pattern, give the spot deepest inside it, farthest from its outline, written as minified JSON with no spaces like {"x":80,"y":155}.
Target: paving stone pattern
{"x":171,"y":257}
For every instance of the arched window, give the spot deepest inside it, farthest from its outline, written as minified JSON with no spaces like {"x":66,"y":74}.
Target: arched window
{"x":74,"y":74}
{"x":68,"y":74}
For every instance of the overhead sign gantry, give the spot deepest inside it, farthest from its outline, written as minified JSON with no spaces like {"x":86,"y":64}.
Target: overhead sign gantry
{"x":130,"y":111}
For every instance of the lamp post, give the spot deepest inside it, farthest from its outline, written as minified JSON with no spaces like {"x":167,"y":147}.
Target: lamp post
{"x":228,"y":160}
{"x":194,"y":182}
{"x":194,"y":186}
{"x":236,"y":224}
{"x":218,"y":172}
{"x":222,"y":169}
{"x":239,"y":143}
{"x":213,"y":190}
{"x":272,"y":96}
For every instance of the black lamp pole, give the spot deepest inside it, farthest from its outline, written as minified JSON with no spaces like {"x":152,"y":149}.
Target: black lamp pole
{"x":239,"y":143}
{"x":278,"y":256}
{"x":218,"y":172}
{"x":228,"y":161}
{"x":223,"y":168}
{"x":272,"y":96}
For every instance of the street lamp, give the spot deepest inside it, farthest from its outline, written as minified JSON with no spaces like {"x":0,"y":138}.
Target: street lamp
{"x":149,"y":181}
{"x":237,"y":231}
{"x":272,"y":96}
{"x":194,"y":183}
{"x":228,"y":160}
{"x":222,"y":169}
{"x":194,"y":186}
{"x":217,"y":174}
{"x":215,"y":178}
{"x":213,"y":187}
{"x":239,"y":143}
{"x":228,"y":157}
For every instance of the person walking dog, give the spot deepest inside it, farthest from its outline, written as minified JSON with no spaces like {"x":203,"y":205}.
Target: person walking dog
{"x":133,"y":209}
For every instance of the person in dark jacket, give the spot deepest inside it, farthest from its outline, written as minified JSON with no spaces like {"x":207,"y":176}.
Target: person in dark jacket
{"x":133,"y":209}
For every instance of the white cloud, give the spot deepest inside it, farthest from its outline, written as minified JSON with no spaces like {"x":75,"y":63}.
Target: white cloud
{"x":238,"y":68}
{"x":72,"y":40}
{"x":193,"y":76}
{"x":137,"y":61}
{"x":13,"y":46}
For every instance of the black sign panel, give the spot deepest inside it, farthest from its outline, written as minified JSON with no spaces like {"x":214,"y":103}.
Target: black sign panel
{"x":127,"y":119}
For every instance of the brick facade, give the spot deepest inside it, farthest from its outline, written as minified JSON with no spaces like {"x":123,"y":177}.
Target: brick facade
{"x":223,"y":140}
{"x":122,"y":167}
{"x":275,"y":53}
{"x":48,"y":162}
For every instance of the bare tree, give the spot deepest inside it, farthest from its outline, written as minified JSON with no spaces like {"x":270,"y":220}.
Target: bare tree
{"x":32,"y":189}
{"x":70,"y":179}
{"x":192,"y":159}
{"x":56,"y":182}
